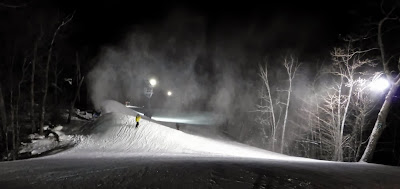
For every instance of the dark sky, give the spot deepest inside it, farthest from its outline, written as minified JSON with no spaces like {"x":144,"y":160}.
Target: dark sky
{"x":307,"y":26}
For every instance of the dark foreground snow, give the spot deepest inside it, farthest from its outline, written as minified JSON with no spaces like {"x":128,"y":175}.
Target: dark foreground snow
{"x":111,"y":153}
{"x":164,"y":171}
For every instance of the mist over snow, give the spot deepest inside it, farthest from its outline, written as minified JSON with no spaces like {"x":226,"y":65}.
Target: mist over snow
{"x":210,"y":65}
{"x":202,"y":72}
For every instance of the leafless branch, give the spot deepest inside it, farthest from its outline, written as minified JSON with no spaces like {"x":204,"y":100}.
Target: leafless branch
{"x":14,"y":6}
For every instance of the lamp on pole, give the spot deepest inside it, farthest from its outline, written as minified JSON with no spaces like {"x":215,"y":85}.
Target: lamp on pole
{"x":148,"y":90}
{"x":379,"y":84}
{"x":152,"y":82}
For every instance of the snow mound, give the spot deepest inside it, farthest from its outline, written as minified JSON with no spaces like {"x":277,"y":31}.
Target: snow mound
{"x":109,"y":106}
{"x":115,"y":133}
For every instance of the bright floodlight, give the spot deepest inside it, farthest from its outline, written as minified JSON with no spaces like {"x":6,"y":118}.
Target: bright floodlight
{"x":153,"y":82}
{"x":379,"y":84}
{"x":169,"y":93}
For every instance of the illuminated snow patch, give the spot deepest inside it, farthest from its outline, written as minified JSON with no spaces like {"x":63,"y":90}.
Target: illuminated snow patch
{"x":174,"y":120}
{"x":115,"y":134}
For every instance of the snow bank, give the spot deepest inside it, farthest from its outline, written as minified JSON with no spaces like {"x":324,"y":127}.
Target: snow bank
{"x":116,"y":133}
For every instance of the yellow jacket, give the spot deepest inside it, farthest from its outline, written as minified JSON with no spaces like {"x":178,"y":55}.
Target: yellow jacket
{"x":138,"y":118}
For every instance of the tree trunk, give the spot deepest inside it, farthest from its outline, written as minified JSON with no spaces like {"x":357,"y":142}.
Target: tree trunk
{"x":12,"y":126}
{"x":45,"y":90}
{"x":3,"y":117}
{"x":343,"y":122}
{"x":272,"y":109}
{"x":291,"y":73}
{"x":286,"y":114}
{"x":338,"y":145}
{"x":17,"y":127}
{"x":12,"y":109}
{"x":273,"y":118}
{"x":73,"y":102}
{"x":55,"y":82}
{"x":319,"y":132}
{"x":380,"y":124}
{"x":32,"y":111}
{"x":264,"y":76}
{"x":46,"y":86}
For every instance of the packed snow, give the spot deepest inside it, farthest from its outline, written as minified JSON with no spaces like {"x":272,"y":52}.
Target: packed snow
{"x":40,"y":144}
{"x":115,"y":133}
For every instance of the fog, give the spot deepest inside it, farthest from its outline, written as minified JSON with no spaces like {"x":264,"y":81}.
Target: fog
{"x":204,"y":73}
{"x":210,"y":65}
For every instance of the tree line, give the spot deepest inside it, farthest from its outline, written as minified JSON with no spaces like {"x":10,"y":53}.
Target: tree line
{"x":40,"y":72}
{"x":335,"y":115}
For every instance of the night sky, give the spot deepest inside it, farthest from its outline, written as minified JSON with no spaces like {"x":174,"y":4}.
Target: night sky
{"x":308,"y":27}
{"x":237,"y":35}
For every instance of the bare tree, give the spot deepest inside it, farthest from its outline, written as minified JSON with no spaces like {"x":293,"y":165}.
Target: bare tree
{"x":3,"y":116}
{"x":363,"y":105}
{"x":333,"y":109}
{"x":291,"y":68}
{"x":266,"y":107}
{"x":12,"y":107}
{"x":46,"y":84}
{"x":80,"y":79}
{"x":32,"y":91}
{"x":271,"y":107}
{"x":17,"y":128}
{"x":56,"y":74}
{"x":346,"y":62}
{"x":329,"y":125}
{"x":13,"y":6}
{"x":380,"y":123}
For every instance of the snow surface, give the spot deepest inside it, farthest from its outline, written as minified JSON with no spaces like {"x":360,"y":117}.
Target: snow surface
{"x":40,"y":144}
{"x":115,"y":132}
{"x":112,"y":153}
{"x":110,"y":106}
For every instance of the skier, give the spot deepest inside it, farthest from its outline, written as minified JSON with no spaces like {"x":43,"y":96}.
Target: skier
{"x":137,"y":120}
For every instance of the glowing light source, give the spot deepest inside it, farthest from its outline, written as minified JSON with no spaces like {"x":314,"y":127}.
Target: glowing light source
{"x":169,"y":93}
{"x":173,"y":120}
{"x":379,"y":84}
{"x":153,"y":82}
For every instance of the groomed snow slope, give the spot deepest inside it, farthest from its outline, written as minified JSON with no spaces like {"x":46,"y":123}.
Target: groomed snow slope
{"x":115,"y":132}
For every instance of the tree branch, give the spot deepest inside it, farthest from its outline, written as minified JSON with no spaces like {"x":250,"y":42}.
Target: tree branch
{"x":14,"y":6}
